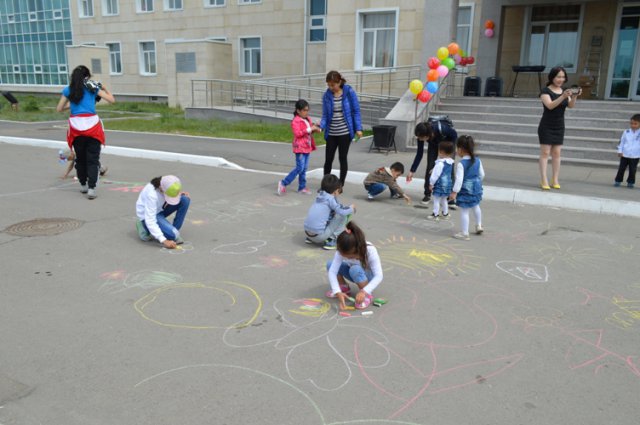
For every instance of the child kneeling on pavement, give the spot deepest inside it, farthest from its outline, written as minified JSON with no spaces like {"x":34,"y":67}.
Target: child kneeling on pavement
{"x":377,"y":181}
{"x":158,"y":200}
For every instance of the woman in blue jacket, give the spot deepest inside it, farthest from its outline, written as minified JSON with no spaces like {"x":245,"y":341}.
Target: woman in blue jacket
{"x":340,"y":121}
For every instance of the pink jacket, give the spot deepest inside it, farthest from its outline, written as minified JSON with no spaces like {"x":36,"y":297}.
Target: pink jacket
{"x":302,"y":139}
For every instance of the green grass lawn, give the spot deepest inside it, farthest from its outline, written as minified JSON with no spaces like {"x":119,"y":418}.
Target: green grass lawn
{"x":152,"y":117}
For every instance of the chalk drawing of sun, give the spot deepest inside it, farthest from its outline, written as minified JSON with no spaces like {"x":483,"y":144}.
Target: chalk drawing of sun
{"x":570,"y":256}
{"x":425,"y":256}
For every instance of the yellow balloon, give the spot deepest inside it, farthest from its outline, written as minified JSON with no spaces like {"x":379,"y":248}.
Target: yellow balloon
{"x":442,"y":53}
{"x":415,"y":86}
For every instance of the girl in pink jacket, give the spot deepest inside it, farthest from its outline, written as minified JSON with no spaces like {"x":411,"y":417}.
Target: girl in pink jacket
{"x":303,"y":145}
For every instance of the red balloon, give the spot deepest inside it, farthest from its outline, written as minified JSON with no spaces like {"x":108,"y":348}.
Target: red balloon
{"x":424,"y":96}
{"x":433,"y":62}
{"x":489,"y":24}
{"x":470,"y":60}
{"x":463,"y":61}
{"x":432,"y":75}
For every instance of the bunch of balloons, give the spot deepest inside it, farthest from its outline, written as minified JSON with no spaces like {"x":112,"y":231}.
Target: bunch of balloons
{"x":489,"y":25}
{"x":439,"y":66}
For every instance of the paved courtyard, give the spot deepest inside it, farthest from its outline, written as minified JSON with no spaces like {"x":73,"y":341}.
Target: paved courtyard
{"x":535,"y":322}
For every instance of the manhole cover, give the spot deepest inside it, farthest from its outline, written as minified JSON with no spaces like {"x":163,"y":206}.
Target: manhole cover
{"x":43,"y":227}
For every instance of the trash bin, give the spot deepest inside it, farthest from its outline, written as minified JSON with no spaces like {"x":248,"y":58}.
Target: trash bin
{"x":472,"y":86}
{"x":384,"y":138}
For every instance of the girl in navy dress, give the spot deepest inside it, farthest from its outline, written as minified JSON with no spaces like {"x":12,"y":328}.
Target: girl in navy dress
{"x":467,"y":189}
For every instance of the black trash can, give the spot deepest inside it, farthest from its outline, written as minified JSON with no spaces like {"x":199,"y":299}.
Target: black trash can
{"x":493,"y":87}
{"x":384,"y":138}
{"x":472,"y":86}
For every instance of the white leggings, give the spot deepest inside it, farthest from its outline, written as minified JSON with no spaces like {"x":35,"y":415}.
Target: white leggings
{"x":440,"y":202}
{"x":464,"y":218}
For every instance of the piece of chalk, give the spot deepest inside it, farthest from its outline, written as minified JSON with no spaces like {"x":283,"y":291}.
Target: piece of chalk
{"x":377,"y":304}
{"x":367,"y":313}
{"x":344,"y":314}
{"x":351,"y":299}
{"x":380,"y":301}
{"x":349,"y":307}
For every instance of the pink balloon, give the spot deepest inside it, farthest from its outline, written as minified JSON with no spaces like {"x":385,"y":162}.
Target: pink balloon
{"x":488,"y":32}
{"x":442,"y":71}
{"x":457,"y":58}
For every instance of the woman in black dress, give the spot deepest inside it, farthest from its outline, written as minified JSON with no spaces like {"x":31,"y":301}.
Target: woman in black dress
{"x":551,"y":128}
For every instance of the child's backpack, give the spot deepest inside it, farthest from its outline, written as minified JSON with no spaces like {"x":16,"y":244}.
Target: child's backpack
{"x":436,"y":122}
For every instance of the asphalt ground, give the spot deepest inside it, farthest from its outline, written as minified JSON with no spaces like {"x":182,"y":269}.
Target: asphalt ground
{"x":536,"y":321}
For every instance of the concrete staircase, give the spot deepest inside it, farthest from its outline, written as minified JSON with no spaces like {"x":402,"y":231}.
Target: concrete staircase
{"x":508,"y":127}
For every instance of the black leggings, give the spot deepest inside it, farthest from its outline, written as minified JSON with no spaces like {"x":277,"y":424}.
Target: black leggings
{"x":341,"y":143}
{"x":87,"y":160}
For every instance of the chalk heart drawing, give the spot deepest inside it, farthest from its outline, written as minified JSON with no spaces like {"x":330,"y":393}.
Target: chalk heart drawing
{"x":310,"y":329}
{"x":215,"y":305}
{"x":201,"y":389}
{"x":528,"y":272}
{"x":240,"y":248}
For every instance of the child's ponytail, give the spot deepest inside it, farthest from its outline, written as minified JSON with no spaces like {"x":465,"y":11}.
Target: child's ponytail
{"x":353,"y":241}
{"x":467,"y":144}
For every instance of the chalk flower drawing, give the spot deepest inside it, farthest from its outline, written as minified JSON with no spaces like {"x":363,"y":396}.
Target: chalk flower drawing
{"x":310,"y":329}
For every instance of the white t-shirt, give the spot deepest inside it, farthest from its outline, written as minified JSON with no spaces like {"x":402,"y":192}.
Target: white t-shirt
{"x":374,"y":265}
{"x":150,"y":203}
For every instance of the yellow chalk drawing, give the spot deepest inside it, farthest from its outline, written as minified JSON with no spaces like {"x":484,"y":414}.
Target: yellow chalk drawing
{"x":629,"y":315}
{"x":311,"y":307}
{"x":145,"y":302}
{"x":422,"y":255}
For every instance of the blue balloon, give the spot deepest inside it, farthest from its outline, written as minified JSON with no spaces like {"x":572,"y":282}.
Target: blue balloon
{"x":432,"y":87}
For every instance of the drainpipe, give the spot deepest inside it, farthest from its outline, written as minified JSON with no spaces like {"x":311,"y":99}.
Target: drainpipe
{"x":304,"y":38}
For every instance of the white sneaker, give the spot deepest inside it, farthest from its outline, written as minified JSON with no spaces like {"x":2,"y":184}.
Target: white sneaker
{"x":445,"y":217}
{"x":462,"y":236}
{"x":84,"y":188}
{"x":281,"y":188}
{"x":433,"y":217}
{"x":370,"y":197}
{"x":479,"y":229}
{"x":91,"y":194}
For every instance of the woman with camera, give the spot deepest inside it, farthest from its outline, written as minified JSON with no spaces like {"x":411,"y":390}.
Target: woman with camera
{"x":555,"y":100}
{"x":85,"y":134}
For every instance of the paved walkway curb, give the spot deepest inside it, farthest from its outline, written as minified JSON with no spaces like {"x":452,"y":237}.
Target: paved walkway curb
{"x":502,"y":194}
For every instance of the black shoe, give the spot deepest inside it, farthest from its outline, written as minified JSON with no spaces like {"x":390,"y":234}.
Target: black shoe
{"x":396,"y":196}
{"x":426,"y":200}
{"x":452,"y":205}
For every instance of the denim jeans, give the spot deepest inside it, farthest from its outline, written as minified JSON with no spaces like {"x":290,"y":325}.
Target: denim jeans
{"x":169,"y":230}
{"x":355,"y":273}
{"x":375,"y":189}
{"x":302,"y":162}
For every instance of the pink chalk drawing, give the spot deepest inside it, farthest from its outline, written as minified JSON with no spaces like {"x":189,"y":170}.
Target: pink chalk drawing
{"x":125,"y":187}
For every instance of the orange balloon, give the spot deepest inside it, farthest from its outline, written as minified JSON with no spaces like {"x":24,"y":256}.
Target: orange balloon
{"x":432,"y":75}
{"x":453,"y":48}
{"x":489,"y":24}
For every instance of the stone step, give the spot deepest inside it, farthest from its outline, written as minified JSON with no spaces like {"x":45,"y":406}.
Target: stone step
{"x":534,"y":110}
{"x":532,"y":139}
{"x":570,"y":120}
{"x":612,"y":135}
{"x":534,"y":157}
{"x":618,"y":105}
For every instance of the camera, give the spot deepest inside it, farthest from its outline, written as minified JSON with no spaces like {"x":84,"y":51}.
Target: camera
{"x":92,"y":85}
{"x":575,"y":90}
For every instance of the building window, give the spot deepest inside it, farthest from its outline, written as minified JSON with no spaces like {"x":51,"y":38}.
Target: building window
{"x":11,"y":19}
{"x":144,"y":5}
{"x":214,"y":3}
{"x":33,"y":16}
{"x":552,"y":37}
{"x":317,"y":20}
{"x":148,"y":58}
{"x":62,"y":69}
{"x":37,"y":69}
{"x":464,"y":28}
{"x":115,"y":58}
{"x":250,"y":56}
{"x":172,"y":4}
{"x":249,"y":1}
{"x":57,"y":14}
{"x":85,"y":8}
{"x":376,"y":44}
{"x":109,"y":7}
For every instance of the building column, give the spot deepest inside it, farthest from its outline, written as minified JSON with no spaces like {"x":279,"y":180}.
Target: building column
{"x":440,"y":27}
{"x":487,"y":60}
